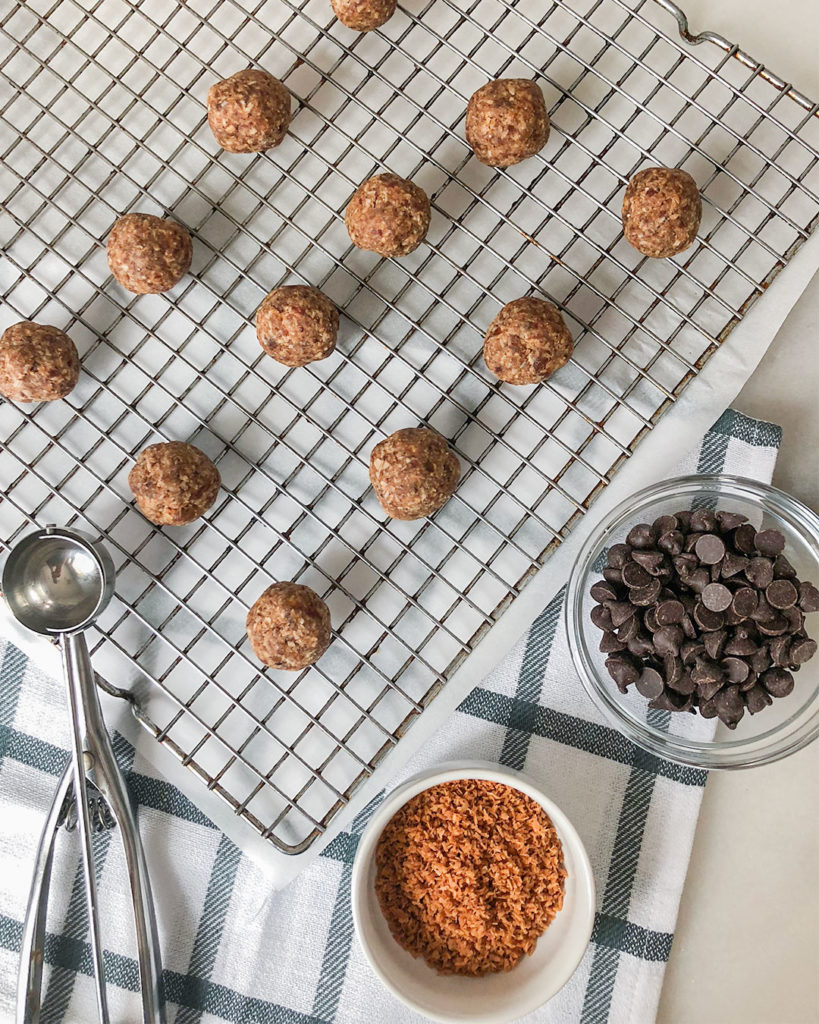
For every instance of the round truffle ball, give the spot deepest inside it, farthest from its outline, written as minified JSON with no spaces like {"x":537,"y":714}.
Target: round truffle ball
{"x":249,"y":112}
{"x":363,"y":15}
{"x":38,"y":363}
{"x":506,"y":121}
{"x":527,"y":341}
{"x":661,"y":211}
{"x":414,"y":472}
{"x":173,"y":483}
{"x":289,"y":626}
{"x":388,"y":215}
{"x":296,"y":325}
{"x":147,"y":254}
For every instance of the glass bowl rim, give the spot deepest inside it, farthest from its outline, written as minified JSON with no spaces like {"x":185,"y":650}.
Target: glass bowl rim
{"x":713,"y":754}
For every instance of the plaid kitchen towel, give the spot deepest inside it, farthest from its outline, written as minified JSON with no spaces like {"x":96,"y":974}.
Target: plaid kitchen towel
{"x":235,"y":951}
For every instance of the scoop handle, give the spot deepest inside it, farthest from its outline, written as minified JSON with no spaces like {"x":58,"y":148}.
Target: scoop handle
{"x":108,"y":779}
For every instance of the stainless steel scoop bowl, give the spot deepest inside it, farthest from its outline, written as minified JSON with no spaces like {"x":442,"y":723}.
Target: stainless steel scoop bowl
{"x":57,"y":582}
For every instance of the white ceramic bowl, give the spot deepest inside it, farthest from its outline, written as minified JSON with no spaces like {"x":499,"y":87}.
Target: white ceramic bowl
{"x":493,"y":998}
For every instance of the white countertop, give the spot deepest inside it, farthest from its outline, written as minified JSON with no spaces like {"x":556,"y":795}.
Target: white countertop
{"x":746,"y":950}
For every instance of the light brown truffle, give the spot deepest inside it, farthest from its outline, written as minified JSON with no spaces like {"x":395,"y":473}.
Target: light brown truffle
{"x":289,"y":626}
{"x":363,"y":15}
{"x":527,"y":341}
{"x":249,"y":112}
{"x":147,"y":254}
{"x":414,"y":472}
{"x":173,"y":483}
{"x":38,"y":363}
{"x":388,"y":215}
{"x":506,"y":121}
{"x":296,"y":325}
{"x":661,"y":211}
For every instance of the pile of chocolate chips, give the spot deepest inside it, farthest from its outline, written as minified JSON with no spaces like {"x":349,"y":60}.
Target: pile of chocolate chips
{"x":701,"y":612}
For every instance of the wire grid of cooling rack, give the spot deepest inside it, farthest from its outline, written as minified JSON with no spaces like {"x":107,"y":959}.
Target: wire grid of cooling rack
{"x":103,"y":112}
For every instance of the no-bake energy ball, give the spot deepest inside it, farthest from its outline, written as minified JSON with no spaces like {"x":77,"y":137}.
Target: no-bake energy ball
{"x":661,"y":211}
{"x":289,"y":626}
{"x":38,"y":363}
{"x":249,"y":112}
{"x":414,"y":472}
{"x":173,"y":483}
{"x":388,"y":215}
{"x":147,"y":254}
{"x":296,"y":325}
{"x":527,"y":341}
{"x":363,"y":15}
{"x":506,"y":121}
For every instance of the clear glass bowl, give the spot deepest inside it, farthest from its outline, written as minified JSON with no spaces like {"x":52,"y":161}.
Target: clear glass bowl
{"x":791,"y":722}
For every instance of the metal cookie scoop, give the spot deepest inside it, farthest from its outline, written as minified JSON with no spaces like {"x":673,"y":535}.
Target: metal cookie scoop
{"x":56,"y":582}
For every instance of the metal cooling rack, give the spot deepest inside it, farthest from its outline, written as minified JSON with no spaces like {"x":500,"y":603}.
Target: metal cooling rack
{"x":102,"y":112}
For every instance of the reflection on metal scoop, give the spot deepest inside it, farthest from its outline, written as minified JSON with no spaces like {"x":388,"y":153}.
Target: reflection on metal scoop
{"x":57,"y":582}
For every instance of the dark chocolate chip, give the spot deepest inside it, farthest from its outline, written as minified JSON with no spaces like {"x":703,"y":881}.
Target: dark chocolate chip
{"x":730,"y":706}
{"x":749,"y":681}
{"x":795,"y":618}
{"x":774,"y":626}
{"x":620,"y":611}
{"x":669,"y":612}
{"x":672,"y":669}
{"x":706,"y":671}
{"x":641,"y":645}
{"x":708,"y":709}
{"x":688,"y":626}
{"x":714,"y":643}
{"x":622,"y":670}
{"x":744,"y":537}
{"x":770,"y":543}
{"x":603,"y":591}
{"x":710,"y":549}
{"x":618,"y":555}
{"x":780,"y":651}
{"x":707,"y":619}
{"x":802,"y":650}
{"x":634,"y":575}
{"x":672,"y":542}
{"x":650,"y":683}
{"x":756,"y":699}
{"x":733,"y":564}
{"x":691,"y":542}
{"x":703,"y":520}
{"x":744,"y":602}
{"x":629,"y":629}
{"x":668,"y":700}
{"x":601,"y":617}
{"x":690,"y":650}
{"x":613,"y":575}
{"x":760,"y":572}
{"x":668,"y":639}
{"x":643,"y":596}
{"x":741,"y":643}
{"x":685,"y":565}
{"x":777,"y":681}
{"x":707,"y":690}
{"x":664,"y":524}
{"x":781,"y":594}
{"x":610,"y":643}
{"x":651,"y":561}
{"x":650,"y":620}
{"x":783,"y":570}
{"x":639,"y":536}
{"x":716,"y":597}
{"x":683,"y":683}
{"x":727,"y":521}
{"x":735,"y":669}
{"x":761,"y":660}
{"x":808,"y":597}
{"x":699,"y":580}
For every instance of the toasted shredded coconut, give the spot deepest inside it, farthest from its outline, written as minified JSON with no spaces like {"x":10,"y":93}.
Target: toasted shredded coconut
{"x":469,"y":874}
